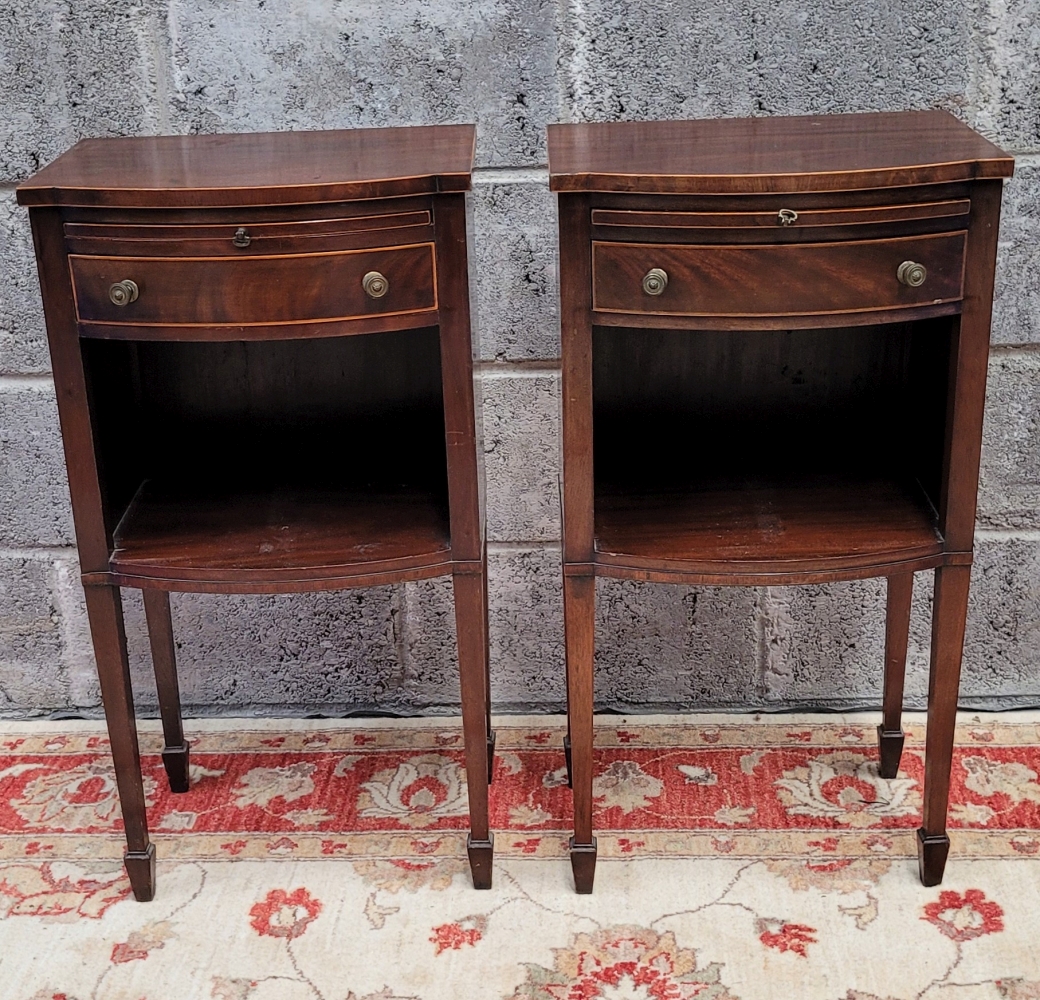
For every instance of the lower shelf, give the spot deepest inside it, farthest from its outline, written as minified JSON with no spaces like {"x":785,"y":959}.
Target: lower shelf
{"x":265,"y":541}
{"x":762,"y":531}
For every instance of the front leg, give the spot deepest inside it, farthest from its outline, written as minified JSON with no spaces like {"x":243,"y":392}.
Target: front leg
{"x":579,"y":613}
{"x":948,"y":620}
{"x":471,"y":625}
{"x":105,"y":613}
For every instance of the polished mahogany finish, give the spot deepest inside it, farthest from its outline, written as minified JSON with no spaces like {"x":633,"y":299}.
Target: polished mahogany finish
{"x":821,"y":527}
{"x":257,"y":542}
{"x":774,"y":339}
{"x":822,"y":280}
{"x":212,"y":292}
{"x":262,"y":354}
{"x":263,"y":168}
{"x":771,"y":155}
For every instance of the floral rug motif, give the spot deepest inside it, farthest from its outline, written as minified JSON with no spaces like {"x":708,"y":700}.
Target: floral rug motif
{"x":740,"y":858}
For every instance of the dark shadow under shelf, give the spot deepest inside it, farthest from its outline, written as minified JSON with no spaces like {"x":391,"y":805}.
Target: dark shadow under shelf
{"x":762,"y":530}
{"x":279,"y":539}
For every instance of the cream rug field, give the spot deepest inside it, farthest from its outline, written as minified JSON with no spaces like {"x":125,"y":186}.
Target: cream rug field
{"x":740,"y":859}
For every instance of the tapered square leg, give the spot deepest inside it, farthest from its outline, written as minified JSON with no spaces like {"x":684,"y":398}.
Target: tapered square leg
{"x":948,"y":617}
{"x":481,"y":855}
{"x":931,"y":857}
{"x":175,"y":762}
{"x":487,"y":674}
{"x":140,"y":868}
{"x":472,"y":644}
{"x":164,"y":662}
{"x":890,"y":750}
{"x":579,"y":610}
{"x":583,"y":866}
{"x":105,"y":613}
{"x":491,"y":756}
{"x":567,"y":758}
{"x":897,"y":636}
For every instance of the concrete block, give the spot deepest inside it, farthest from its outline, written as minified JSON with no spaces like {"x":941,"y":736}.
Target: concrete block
{"x":77,"y":647}
{"x":34,"y":495}
{"x":1009,"y":481}
{"x":430,"y":682}
{"x":515,"y":290}
{"x":1006,"y":88}
{"x":32,"y":674}
{"x":654,"y":60}
{"x":521,"y":454}
{"x":256,"y":66}
{"x":824,"y":646}
{"x":23,"y":335}
{"x":1020,"y":205}
{"x":35,"y":125}
{"x":74,"y":69}
{"x":328,"y":653}
{"x":525,"y":620}
{"x":663,"y":647}
{"x":824,"y":57}
{"x":1002,"y":645}
{"x":1016,"y":301}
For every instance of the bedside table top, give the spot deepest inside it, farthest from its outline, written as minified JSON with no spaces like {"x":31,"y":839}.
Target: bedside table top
{"x":771,"y":155}
{"x":267,"y":168}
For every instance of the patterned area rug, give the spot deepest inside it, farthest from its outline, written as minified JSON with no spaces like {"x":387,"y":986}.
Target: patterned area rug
{"x":740,"y":859}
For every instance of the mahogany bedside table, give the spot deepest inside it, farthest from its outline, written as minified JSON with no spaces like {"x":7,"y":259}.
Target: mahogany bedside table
{"x":261,"y":349}
{"x":775,"y":334}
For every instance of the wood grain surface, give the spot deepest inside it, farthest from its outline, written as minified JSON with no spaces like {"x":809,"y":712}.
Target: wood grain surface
{"x":763,"y":280}
{"x":262,"y":291}
{"x":771,"y":154}
{"x":181,"y":540}
{"x":265,"y":168}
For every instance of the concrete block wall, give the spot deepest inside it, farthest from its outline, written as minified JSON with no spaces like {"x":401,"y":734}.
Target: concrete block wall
{"x":75,"y":68}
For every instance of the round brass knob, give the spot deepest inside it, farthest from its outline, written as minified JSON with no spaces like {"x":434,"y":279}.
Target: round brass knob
{"x":911,"y":273}
{"x":122,"y":293}
{"x":655,"y":281}
{"x":786,"y":217}
{"x":375,"y":285}
{"x":241,"y":237}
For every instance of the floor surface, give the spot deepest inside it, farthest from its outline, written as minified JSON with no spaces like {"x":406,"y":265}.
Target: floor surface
{"x":741,"y":858}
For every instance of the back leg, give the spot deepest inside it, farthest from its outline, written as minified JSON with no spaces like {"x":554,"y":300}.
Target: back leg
{"x":487,"y":675}
{"x":164,"y":661}
{"x":897,"y":635}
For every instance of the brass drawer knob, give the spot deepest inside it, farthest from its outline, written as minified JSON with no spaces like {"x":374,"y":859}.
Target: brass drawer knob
{"x":786,"y":217}
{"x":375,"y":285}
{"x":241,"y":237}
{"x":122,"y":293}
{"x":911,"y":273}
{"x":655,"y":281}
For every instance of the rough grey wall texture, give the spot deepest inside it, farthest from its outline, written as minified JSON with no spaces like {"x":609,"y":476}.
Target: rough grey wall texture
{"x":72,"y":68}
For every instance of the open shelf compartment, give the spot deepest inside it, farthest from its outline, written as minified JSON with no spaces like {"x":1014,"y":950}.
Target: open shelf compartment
{"x":257,"y":466}
{"x":774,"y":455}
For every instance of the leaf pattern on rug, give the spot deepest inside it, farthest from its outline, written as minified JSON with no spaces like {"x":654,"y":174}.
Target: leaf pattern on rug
{"x":709,"y":885}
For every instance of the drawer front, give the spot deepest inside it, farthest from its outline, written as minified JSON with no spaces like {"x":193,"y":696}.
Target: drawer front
{"x":786,"y":219}
{"x":254,"y":291}
{"x":786,"y":280}
{"x":246,"y":237}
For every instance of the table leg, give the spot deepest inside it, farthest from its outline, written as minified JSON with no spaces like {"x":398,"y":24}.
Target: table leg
{"x":164,"y":662}
{"x":471,"y":627}
{"x":948,"y":618}
{"x":487,"y":675}
{"x":105,"y":613}
{"x":897,"y":635}
{"x":579,"y":616}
